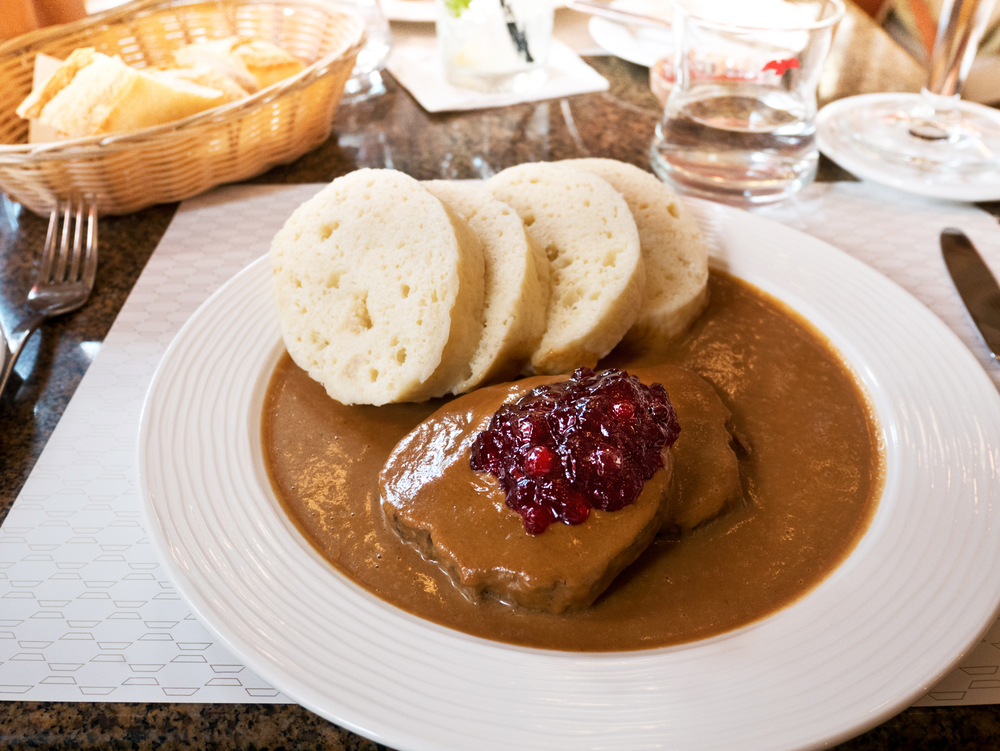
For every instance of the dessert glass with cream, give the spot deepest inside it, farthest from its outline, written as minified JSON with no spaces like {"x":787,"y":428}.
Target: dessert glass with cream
{"x":495,"y":45}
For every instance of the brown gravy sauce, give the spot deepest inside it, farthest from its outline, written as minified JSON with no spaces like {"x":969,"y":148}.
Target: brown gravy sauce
{"x":810,"y":487}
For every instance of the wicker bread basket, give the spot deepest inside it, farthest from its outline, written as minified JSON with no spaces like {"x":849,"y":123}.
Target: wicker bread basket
{"x":129,"y":171}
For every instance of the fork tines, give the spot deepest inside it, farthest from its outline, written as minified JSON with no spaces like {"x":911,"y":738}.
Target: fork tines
{"x":66,"y":257}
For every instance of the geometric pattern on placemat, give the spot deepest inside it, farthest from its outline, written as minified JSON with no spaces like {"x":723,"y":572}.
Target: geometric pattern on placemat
{"x":86,"y":611}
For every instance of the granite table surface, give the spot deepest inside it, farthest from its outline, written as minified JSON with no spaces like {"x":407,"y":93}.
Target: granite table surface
{"x":388,"y":131}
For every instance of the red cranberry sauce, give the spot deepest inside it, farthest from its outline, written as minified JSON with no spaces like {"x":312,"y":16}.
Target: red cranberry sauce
{"x":589,"y":442}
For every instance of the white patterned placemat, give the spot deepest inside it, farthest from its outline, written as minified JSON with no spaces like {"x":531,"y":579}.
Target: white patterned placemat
{"x":86,"y":612}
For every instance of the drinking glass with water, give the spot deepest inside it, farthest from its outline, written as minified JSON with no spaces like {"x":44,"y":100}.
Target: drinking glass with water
{"x":739,"y":124}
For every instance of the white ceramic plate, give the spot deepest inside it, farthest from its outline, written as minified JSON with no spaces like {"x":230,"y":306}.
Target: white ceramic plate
{"x":835,"y":140}
{"x":638,"y":44}
{"x":918,"y":591}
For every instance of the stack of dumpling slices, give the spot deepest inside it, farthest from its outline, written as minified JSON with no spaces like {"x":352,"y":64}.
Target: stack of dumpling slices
{"x":392,"y":290}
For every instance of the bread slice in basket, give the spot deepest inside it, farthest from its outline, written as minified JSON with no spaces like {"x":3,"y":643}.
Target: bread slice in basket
{"x":252,"y":63}
{"x":596,"y":275}
{"x":379,"y":287}
{"x":91,"y":94}
{"x":515,"y":283}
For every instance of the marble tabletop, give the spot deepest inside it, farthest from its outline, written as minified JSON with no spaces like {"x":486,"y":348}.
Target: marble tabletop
{"x":388,"y":131}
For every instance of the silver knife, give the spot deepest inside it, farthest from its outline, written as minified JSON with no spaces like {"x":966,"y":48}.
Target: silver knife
{"x":975,"y":284}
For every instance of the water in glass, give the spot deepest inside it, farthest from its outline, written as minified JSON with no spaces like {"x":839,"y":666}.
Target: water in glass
{"x":739,"y":124}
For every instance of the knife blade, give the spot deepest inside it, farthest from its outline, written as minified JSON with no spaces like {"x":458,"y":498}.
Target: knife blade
{"x":975,"y":283}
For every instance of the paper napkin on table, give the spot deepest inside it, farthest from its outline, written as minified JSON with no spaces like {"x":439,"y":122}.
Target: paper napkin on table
{"x":416,"y":64}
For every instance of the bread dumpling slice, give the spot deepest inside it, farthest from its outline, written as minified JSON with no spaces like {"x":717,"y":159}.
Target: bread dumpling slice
{"x":379,"y":288}
{"x":596,"y":275}
{"x":515,"y":284}
{"x":673,"y":250}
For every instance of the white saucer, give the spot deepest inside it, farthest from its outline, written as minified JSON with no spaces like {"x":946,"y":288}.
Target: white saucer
{"x":641,"y":45}
{"x":413,"y":11}
{"x":837,"y":143}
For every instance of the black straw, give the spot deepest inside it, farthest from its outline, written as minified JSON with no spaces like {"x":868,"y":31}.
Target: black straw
{"x":516,"y":34}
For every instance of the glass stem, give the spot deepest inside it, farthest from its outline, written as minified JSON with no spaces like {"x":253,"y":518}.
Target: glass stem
{"x":960,"y":27}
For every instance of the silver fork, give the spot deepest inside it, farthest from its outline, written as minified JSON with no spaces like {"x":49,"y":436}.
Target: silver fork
{"x":65,"y":277}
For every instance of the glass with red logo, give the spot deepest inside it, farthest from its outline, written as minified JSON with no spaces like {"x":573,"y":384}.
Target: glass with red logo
{"x":739,"y":124}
